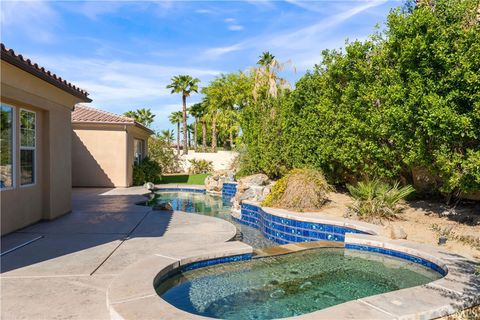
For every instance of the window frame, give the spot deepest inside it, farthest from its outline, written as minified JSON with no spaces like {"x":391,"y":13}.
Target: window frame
{"x":142,"y":155}
{"x":20,"y":148}
{"x":14,"y":147}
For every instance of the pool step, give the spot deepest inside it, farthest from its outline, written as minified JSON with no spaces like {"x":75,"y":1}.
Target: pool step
{"x":294,"y":247}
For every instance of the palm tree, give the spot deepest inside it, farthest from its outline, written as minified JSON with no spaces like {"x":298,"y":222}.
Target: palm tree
{"x":265,"y":59}
{"x":198,"y":111}
{"x":185,"y":85}
{"x":143,"y":116}
{"x":191,"y":129}
{"x":266,"y":75}
{"x":175,"y":118}
{"x":167,"y":135}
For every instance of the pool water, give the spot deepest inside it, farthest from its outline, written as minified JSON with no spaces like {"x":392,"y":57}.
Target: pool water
{"x":289,"y":285}
{"x":211,"y":205}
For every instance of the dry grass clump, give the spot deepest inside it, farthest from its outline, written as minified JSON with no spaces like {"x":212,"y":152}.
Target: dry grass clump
{"x":467,"y":314}
{"x":300,"y":190}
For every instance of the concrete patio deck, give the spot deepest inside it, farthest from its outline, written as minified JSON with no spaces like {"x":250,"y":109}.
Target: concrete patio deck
{"x":65,"y":273}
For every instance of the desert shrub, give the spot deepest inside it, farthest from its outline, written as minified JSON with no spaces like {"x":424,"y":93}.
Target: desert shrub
{"x":300,"y":189}
{"x":147,"y":171}
{"x":378,"y":200}
{"x":200,"y":166}
{"x":160,"y":151}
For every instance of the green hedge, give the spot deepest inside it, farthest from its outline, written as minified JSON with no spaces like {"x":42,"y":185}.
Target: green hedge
{"x":408,"y":96}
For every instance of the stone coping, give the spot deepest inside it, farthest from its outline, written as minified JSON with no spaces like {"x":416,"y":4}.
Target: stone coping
{"x":315,"y":218}
{"x":132,"y":295}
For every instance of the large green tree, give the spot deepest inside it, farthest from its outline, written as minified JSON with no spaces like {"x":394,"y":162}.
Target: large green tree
{"x":185,"y":85}
{"x":407,"y":98}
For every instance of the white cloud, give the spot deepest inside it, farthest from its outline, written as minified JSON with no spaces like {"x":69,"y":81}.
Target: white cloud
{"x":213,"y":53}
{"x":230,"y":20}
{"x":36,"y":19}
{"x":119,"y":83}
{"x":204,"y":11}
{"x":235,"y":27}
{"x":312,"y":38}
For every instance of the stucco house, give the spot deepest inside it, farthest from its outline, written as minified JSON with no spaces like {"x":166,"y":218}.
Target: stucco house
{"x":104,"y":147}
{"x":36,"y":138}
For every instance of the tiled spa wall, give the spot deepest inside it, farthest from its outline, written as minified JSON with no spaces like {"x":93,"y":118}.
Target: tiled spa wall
{"x":282,"y":230}
{"x":229,"y":189}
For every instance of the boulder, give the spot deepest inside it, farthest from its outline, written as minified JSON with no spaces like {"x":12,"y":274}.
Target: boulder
{"x":252,"y":188}
{"x":214,"y":182}
{"x":259,"y":179}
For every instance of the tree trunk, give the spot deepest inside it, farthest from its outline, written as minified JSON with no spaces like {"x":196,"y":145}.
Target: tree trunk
{"x":178,"y":138}
{"x":185,"y":132}
{"x":195,"y":134}
{"x":214,"y":135}
{"x":231,"y":139}
{"x":204,"y":136}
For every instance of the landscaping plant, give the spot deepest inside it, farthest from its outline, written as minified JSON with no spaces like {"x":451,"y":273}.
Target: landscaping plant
{"x":300,"y":190}
{"x":147,"y":171}
{"x":200,"y":166}
{"x":377,"y":200}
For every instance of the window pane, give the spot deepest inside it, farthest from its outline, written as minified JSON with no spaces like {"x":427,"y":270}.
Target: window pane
{"x":138,"y":150}
{"x":27,"y":166}
{"x":27,"y":128}
{"x":6,"y":146}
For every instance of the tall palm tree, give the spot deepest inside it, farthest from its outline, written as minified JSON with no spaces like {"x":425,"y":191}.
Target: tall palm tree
{"x":143,"y":116}
{"x":167,"y":135}
{"x":197,"y":111}
{"x":185,"y":85}
{"x":266,"y":75}
{"x":175,"y":118}
{"x":191,"y":129}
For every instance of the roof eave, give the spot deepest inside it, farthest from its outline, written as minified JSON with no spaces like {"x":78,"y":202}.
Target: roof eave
{"x":136,"y":124}
{"x":33,"y":71}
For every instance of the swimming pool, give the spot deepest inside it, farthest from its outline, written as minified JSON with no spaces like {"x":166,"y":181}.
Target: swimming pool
{"x":214,"y":206}
{"x":289,"y":285}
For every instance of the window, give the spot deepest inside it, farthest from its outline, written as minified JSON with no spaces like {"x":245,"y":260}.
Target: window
{"x":27,"y":147}
{"x":139,"y":150}
{"x":6,"y":146}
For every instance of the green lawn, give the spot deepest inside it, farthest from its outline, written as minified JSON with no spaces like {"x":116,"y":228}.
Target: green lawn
{"x":185,"y":178}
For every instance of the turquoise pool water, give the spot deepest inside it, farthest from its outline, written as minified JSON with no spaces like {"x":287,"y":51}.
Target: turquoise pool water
{"x":214,"y":206}
{"x":289,"y":285}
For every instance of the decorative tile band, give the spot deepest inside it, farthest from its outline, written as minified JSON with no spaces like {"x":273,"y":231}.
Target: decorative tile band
{"x":229,"y":189}
{"x":211,"y":262}
{"x":283,"y":230}
{"x":182,"y":190}
{"x":398,"y":254}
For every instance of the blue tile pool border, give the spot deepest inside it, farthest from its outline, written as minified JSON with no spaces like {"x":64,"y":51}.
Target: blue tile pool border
{"x":398,"y":254}
{"x":181,"y":190}
{"x":212,"y":262}
{"x":283,"y":230}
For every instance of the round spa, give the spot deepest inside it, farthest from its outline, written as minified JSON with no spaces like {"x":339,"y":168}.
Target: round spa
{"x":289,"y":285}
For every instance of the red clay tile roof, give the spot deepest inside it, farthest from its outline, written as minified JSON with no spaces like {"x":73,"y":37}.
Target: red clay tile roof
{"x":84,"y":114}
{"x":19,"y":61}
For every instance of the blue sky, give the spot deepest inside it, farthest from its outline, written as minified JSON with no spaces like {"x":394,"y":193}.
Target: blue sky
{"x":124,"y":53}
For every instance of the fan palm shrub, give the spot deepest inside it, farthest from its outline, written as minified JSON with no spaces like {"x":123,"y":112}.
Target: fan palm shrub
{"x":377,"y":200}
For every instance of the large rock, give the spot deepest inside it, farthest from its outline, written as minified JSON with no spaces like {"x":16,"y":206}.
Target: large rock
{"x":214,"y":182}
{"x":252,"y":188}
